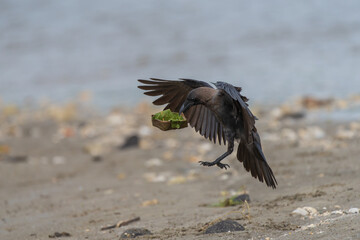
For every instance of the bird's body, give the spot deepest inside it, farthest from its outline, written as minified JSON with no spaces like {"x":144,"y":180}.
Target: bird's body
{"x":216,"y":113}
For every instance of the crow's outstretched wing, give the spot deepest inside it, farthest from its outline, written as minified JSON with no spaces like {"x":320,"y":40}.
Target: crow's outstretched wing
{"x":174,"y":93}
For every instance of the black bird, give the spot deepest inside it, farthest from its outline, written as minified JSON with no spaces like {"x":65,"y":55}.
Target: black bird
{"x":219,"y":113}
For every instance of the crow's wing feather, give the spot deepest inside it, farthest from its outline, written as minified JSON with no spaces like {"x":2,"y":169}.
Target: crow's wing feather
{"x":174,"y":93}
{"x":247,"y":116}
{"x":249,"y":151}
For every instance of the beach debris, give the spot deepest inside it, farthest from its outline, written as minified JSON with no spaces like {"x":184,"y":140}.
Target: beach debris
{"x":60,"y":234}
{"x":315,"y":103}
{"x":337,"y":212}
{"x":227,"y":225}
{"x":233,"y":201}
{"x":121,"y":223}
{"x":305,"y":211}
{"x":153,"y":162}
{"x":130,"y":142}
{"x":353,"y":210}
{"x":150,"y":202}
{"x":96,"y":158}
{"x":15,"y":159}
{"x":135,"y":232}
{"x":167,"y":120}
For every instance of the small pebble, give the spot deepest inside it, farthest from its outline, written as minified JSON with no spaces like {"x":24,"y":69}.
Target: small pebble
{"x":135,"y":232}
{"x":130,"y":142}
{"x":225,"y":226}
{"x":300,"y":211}
{"x":354,"y":210}
{"x":60,"y":234}
{"x":242,"y":198}
{"x":305,"y":211}
{"x":337,"y":212}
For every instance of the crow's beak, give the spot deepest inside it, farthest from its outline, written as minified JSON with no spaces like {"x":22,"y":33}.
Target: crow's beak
{"x":186,"y":105}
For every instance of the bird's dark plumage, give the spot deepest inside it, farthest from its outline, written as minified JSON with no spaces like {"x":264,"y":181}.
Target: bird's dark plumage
{"x":219,"y":114}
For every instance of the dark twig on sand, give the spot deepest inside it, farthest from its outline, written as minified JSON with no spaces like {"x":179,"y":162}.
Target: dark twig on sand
{"x":121,"y":223}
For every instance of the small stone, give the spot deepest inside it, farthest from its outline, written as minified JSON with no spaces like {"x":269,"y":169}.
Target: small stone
{"x":135,"y":232}
{"x":150,"y":202}
{"x":242,"y":198}
{"x":60,"y":234}
{"x":96,"y":158}
{"x":227,"y":225}
{"x":336,"y":212}
{"x":300,"y":211}
{"x":305,"y":211}
{"x":312,"y":211}
{"x":131,"y":141}
{"x":16,"y":159}
{"x":354,"y":210}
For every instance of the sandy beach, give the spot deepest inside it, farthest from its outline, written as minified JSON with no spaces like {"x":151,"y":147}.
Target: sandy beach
{"x":65,"y":169}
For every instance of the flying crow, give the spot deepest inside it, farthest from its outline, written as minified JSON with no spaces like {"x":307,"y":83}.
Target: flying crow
{"x":219,"y":114}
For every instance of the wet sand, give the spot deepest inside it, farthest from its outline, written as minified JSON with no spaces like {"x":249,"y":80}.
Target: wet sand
{"x":63,"y":170}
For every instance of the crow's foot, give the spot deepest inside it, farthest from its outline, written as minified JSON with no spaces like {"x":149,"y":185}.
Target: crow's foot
{"x":209,"y":164}
{"x":221,"y":165}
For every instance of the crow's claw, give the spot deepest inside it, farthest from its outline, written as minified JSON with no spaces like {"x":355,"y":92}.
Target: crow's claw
{"x":209,"y":164}
{"x":221,"y":165}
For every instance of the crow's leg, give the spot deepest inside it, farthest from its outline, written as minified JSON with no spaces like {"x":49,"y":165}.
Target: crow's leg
{"x":219,"y":159}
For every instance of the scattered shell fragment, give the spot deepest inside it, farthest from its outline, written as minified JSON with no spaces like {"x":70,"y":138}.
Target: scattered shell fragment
{"x":305,"y":211}
{"x":337,"y":212}
{"x":354,"y":210}
{"x":150,"y":202}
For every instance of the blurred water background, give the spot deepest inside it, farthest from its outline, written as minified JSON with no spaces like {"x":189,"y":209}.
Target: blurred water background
{"x":275,"y":50}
